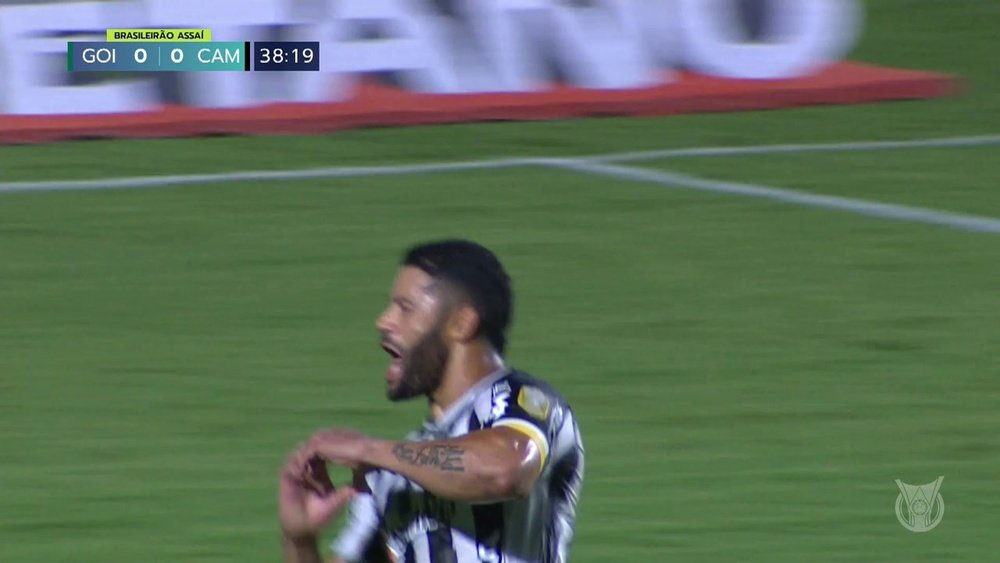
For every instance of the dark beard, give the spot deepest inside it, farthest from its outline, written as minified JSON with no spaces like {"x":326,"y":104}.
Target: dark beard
{"x":424,"y":367}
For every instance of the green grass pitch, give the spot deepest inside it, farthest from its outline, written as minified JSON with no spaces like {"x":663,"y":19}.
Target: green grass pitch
{"x":751,"y":377}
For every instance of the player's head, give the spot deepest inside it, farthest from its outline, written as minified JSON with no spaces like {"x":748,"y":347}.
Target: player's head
{"x":447,"y":294}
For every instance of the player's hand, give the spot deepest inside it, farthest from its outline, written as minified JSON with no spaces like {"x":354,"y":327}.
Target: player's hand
{"x":307,"y":500}
{"x":341,"y":447}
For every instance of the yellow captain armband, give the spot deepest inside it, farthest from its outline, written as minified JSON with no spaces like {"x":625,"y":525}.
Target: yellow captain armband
{"x":529,"y":430}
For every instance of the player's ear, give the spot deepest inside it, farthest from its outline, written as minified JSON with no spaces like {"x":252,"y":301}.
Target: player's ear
{"x":463,"y":323}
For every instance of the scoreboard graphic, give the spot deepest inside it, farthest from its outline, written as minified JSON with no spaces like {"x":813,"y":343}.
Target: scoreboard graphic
{"x":188,"y":50}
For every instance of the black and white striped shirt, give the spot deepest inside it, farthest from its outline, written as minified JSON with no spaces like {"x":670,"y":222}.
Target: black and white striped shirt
{"x":421,"y":528}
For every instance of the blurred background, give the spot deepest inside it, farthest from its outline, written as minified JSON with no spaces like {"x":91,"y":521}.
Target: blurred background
{"x":751,"y":375}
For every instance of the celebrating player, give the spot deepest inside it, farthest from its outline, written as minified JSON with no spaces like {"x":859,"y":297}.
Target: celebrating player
{"x":493,"y":475}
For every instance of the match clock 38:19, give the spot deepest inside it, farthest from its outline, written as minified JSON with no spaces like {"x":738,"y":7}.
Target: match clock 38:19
{"x":285,"y":55}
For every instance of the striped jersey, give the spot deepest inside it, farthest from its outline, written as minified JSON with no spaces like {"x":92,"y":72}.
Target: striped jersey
{"x":418,"y":527}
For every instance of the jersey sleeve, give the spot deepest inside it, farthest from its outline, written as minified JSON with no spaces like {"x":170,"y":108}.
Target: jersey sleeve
{"x":526,"y":408}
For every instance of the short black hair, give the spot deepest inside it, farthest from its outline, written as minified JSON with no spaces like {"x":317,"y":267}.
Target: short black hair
{"x":478,"y":273}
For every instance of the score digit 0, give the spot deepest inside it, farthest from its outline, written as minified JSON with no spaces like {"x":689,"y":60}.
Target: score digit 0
{"x":140,"y":55}
{"x":177,"y":56}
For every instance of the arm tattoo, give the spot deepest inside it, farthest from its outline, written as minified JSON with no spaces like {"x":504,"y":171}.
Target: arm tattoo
{"x":447,"y":458}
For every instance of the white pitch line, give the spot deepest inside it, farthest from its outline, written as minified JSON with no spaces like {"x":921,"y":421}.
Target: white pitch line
{"x":857,"y":206}
{"x":140,"y":182}
{"x":599,"y":164}
{"x":435,"y":167}
{"x":861,"y":146}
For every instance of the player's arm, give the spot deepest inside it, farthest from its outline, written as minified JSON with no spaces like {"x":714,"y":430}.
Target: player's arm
{"x":308,"y":502}
{"x":304,"y":550}
{"x":501,"y":461}
{"x":485,"y":465}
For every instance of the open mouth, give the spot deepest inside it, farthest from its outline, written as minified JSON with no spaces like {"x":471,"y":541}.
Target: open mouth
{"x":395,"y":370}
{"x":393,"y":352}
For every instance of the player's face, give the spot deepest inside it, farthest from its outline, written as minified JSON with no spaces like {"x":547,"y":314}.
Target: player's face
{"x":412,"y":334}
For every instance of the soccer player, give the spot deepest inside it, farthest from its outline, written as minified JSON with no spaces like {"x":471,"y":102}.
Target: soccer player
{"x":492,"y":476}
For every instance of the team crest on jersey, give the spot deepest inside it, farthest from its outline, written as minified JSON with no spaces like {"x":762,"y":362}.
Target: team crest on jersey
{"x":501,"y":396}
{"x":534,"y":401}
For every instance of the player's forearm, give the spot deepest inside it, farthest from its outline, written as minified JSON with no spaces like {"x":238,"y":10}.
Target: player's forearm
{"x":302,"y":550}
{"x":478,"y":467}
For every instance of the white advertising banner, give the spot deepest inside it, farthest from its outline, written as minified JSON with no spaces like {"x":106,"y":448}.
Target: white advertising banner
{"x":423,"y":46}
